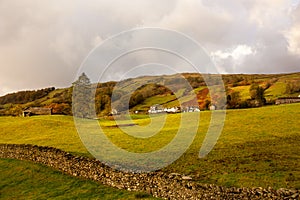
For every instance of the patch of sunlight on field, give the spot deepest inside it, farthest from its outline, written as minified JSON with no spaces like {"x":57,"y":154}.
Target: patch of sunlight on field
{"x":56,"y":131}
{"x":244,"y":91}
{"x":276,"y":90}
{"x":258,"y":147}
{"x":199,"y":88}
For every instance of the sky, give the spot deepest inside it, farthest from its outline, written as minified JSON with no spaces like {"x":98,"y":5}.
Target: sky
{"x":44,"y":43}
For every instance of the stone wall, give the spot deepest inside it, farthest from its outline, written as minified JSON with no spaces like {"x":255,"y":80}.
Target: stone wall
{"x":287,"y":100}
{"x":158,"y":184}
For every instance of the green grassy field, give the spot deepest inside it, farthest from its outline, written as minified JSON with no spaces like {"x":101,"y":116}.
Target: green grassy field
{"x":244,"y":91}
{"x":56,"y":131}
{"x":25,"y":180}
{"x":258,"y":147}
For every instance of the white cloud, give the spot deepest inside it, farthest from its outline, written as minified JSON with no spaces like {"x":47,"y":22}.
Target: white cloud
{"x":231,"y":58}
{"x":236,"y":53}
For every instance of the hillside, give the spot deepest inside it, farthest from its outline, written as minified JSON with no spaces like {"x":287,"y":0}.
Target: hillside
{"x":150,"y":90}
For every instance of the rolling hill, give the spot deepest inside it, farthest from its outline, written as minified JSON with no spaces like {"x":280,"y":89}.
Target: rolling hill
{"x":187,"y":89}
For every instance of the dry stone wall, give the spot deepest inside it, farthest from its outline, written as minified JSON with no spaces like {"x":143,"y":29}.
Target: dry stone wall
{"x":158,"y":184}
{"x":287,"y":100}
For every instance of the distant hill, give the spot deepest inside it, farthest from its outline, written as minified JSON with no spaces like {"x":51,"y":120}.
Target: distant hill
{"x":243,"y":90}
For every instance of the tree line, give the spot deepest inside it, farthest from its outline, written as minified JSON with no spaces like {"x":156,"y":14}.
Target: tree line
{"x":25,"y":96}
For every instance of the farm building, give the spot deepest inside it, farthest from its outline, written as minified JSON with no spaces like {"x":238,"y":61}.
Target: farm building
{"x":156,"y":109}
{"x":212,"y":107}
{"x":172,"y":110}
{"x":191,"y":109}
{"x":284,"y":100}
{"x":160,"y":109}
{"x":36,"y":111}
{"x":114,"y":112}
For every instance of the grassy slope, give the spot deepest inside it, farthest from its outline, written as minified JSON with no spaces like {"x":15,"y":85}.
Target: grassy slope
{"x":275,"y":91}
{"x":243,"y":90}
{"x":57,"y":131}
{"x":25,"y":180}
{"x":258,"y":147}
{"x":278,"y":89}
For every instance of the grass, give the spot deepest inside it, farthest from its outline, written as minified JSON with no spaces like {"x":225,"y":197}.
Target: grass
{"x":276,"y":90}
{"x":258,"y":147}
{"x":56,"y":131}
{"x":25,"y":180}
{"x":244,"y":91}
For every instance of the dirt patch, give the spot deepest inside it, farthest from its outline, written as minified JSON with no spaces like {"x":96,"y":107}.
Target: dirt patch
{"x":120,"y":125}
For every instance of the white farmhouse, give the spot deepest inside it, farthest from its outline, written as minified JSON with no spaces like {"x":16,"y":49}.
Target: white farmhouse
{"x":156,"y":109}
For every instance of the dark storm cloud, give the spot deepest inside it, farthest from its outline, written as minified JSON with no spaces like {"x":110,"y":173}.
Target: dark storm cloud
{"x":43,"y":43}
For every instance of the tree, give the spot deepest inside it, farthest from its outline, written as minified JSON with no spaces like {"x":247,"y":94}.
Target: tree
{"x":207,"y":103}
{"x":82,"y":97}
{"x":288,"y":88}
{"x":16,"y":110}
{"x":257,"y":93}
{"x":60,"y":108}
{"x":136,"y":99}
{"x":233,"y":99}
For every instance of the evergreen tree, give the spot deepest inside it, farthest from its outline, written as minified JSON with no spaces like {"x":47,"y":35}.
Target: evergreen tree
{"x":82,"y":97}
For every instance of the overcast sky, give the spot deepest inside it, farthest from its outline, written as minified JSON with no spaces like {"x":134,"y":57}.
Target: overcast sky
{"x":44,"y":42}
